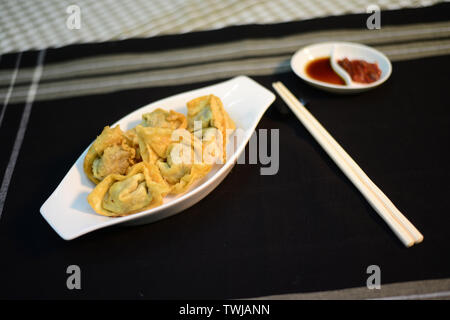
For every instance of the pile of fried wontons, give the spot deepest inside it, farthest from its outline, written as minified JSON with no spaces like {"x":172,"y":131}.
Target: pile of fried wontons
{"x":165,"y":154}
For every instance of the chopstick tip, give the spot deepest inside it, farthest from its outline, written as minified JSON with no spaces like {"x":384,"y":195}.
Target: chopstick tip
{"x":419,"y":240}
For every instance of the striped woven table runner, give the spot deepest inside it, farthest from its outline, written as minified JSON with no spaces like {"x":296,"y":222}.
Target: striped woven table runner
{"x":158,"y":66}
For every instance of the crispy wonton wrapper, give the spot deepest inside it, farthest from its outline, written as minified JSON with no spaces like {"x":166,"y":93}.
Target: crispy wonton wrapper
{"x":160,"y":118}
{"x":183,"y":164}
{"x":153,"y":142}
{"x":166,"y":153}
{"x":209,"y":111}
{"x":111,"y":152}
{"x":118,"y":195}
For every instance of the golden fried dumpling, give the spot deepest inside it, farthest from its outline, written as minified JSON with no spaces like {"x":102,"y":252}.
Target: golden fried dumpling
{"x":160,"y":118}
{"x":132,"y":138}
{"x":119,"y":195}
{"x":208,"y":112}
{"x":110,"y":153}
{"x":133,"y":141}
{"x":212,"y":145}
{"x":153,"y":142}
{"x":167,"y":153}
{"x":184,"y":163}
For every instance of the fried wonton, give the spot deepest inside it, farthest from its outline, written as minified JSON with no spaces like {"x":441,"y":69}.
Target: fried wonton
{"x":111,"y":152}
{"x":208,"y":112}
{"x":183,"y":164}
{"x":212,"y":145}
{"x":132,"y":137}
{"x":153,"y":142}
{"x":166,"y":154}
{"x":160,"y":118}
{"x":119,"y":195}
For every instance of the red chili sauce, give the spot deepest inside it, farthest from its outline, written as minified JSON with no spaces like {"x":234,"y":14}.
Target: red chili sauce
{"x":360,"y":70}
{"x":320,"y":69}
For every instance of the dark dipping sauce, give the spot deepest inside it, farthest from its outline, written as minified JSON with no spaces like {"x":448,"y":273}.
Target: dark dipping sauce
{"x":320,"y":69}
{"x":359,"y":70}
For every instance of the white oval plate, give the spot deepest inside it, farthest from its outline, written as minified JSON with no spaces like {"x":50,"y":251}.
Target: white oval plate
{"x":67,"y":209}
{"x":352,"y":51}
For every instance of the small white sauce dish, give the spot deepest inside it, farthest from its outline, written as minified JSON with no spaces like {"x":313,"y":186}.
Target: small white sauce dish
{"x":337,"y":51}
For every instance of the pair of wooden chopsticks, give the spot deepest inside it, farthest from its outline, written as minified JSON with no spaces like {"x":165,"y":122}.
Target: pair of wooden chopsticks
{"x":401,"y":226}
